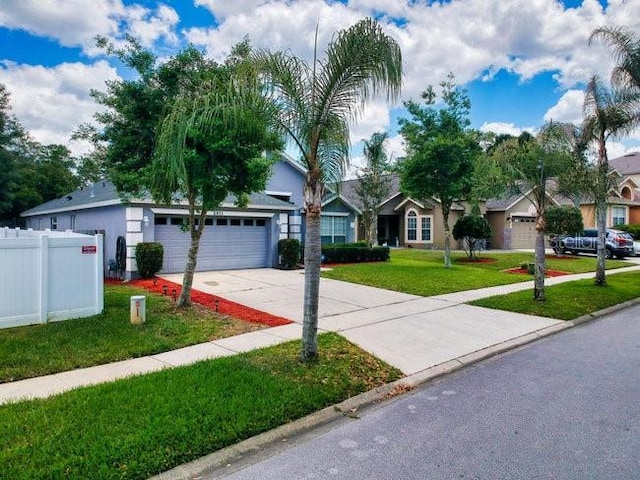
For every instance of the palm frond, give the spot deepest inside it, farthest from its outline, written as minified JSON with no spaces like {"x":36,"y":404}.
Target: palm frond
{"x":361,"y":61}
{"x":626,"y":51}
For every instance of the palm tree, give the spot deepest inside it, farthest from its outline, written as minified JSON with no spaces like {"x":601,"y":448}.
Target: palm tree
{"x":626,"y":51}
{"x":316,"y":103}
{"x":374,"y":183}
{"x":607,"y":112}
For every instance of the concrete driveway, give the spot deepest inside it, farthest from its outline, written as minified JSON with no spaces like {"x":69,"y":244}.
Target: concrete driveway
{"x":409,"y":332}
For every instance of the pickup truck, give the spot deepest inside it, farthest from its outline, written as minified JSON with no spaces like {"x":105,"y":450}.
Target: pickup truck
{"x":618,"y":243}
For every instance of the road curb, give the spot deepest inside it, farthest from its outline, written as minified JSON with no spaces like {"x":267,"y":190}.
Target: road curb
{"x":349,"y":407}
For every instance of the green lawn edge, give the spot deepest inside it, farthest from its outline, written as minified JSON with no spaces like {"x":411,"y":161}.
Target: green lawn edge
{"x":37,"y":350}
{"x":141,"y":426}
{"x":570,"y":300}
{"x":421,"y":272}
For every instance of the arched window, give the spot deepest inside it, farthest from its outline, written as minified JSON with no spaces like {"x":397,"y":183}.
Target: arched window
{"x":412,"y":226}
{"x":626,"y":193}
{"x":419,"y":228}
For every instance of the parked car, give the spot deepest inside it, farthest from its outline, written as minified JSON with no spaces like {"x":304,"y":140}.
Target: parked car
{"x":636,"y":248}
{"x":618,"y":243}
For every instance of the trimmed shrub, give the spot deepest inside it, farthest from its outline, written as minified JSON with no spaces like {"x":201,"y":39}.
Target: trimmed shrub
{"x":149,"y":256}
{"x":354,"y":253}
{"x":471,"y":229}
{"x":289,"y":252}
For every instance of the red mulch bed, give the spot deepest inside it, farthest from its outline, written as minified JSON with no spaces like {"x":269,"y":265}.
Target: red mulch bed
{"x":548,"y":273}
{"x":225,"y":307}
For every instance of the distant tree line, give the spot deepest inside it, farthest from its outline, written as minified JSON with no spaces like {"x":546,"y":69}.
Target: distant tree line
{"x":33,"y":173}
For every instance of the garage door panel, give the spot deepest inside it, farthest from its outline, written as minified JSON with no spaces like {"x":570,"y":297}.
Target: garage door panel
{"x":523,"y":233}
{"x":222,"y":247}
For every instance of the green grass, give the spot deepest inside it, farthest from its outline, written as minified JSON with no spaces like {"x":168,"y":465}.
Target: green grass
{"x":421,"y":272}
{"x":570,"y":300}
{"x":55,"y":347}
{"x":141,"y":426}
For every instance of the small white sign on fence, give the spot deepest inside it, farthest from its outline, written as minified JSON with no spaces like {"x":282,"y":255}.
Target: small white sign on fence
{"x":49,"y":276}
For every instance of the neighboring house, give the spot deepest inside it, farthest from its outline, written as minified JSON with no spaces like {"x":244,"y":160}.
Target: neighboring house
{"x":404,"y":221}
{"x":513,"y":218}
{"x":628,"y":167}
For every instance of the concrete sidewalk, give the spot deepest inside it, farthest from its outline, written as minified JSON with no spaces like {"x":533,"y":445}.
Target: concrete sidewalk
{"x":409,"y":332}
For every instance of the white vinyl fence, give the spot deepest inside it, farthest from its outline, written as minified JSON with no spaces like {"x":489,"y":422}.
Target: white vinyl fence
{"x":49,"y":276}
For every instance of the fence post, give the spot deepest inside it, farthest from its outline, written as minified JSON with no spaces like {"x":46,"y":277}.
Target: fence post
{"x":99,"y":274}
{"x":44,"y":278}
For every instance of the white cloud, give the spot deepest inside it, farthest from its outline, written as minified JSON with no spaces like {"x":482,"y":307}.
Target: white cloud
{"x":51,"y":102}
{"x":503,"y":128}
{"x":75,"y":23}
{"x":568,"y":109}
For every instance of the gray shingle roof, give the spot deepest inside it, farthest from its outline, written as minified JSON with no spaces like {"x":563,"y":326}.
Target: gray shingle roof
{"x":99,"y":192}
{"x":104,"y":193}
{"x":627,"y":164}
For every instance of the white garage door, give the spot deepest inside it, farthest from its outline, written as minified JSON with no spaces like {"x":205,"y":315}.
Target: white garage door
{"x":226,"y":243}
{"x":523,"y":232}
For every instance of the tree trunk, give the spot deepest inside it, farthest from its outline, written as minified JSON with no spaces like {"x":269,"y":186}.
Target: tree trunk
{"x":601,"y":210}
{"x":374,"y":229}
{"x":192,"y":258}
{"x":540,"y":267}
{"x":601,"y":223}
{"x":312,"y":252}
{"x":447,"y":235}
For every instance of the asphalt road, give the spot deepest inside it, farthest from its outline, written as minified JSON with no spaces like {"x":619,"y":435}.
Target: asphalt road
{"x":566,"y":407}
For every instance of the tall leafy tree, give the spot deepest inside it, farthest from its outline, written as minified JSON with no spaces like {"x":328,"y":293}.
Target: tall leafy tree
{"x":32,"y":173}
{"x":374,"y":183}
{"x":534,"y":167}
{"x":608,"y":112}
{"x":136,"y":107}
{"x":316,"y":103}
{"x":441,"y":150}
{"x":210,"y":145}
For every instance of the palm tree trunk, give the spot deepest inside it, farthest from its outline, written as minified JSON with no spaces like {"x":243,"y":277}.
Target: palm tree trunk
{"x":601,"y":223}
{"x":540,"y":267}
{"x":312,"y":252}
{"x":601,"y":210}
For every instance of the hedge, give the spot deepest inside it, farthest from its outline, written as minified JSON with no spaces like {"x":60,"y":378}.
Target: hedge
{"x":353,"y":253}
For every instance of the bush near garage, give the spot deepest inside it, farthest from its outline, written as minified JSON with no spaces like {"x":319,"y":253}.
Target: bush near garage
{"x":354,"y":253}
{"x":289,"y":251}
{"x":149,"y":256}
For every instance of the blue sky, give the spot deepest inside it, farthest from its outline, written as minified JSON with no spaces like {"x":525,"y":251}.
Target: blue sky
{"x":523,"y":61}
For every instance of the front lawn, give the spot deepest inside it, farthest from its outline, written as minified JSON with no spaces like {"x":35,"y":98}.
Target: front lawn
{"x":421,"y":272}
{"x":55,"y":347}
{"x":570,"y":300}
{"x":138,"y":427}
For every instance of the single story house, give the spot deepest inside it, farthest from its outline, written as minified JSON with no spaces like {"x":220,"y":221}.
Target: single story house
{"x":234,"y":238}
{"x":404,"y":221}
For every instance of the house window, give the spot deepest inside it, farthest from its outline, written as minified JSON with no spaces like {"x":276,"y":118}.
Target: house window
{"x":619,"y":215}
{"x":426,"y":229}
{"x":72,"y":223}
{"x":412,"y":226}
{"x":419,"y":228}
{"x":333,"y":229}
{"x":54,"y":223}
